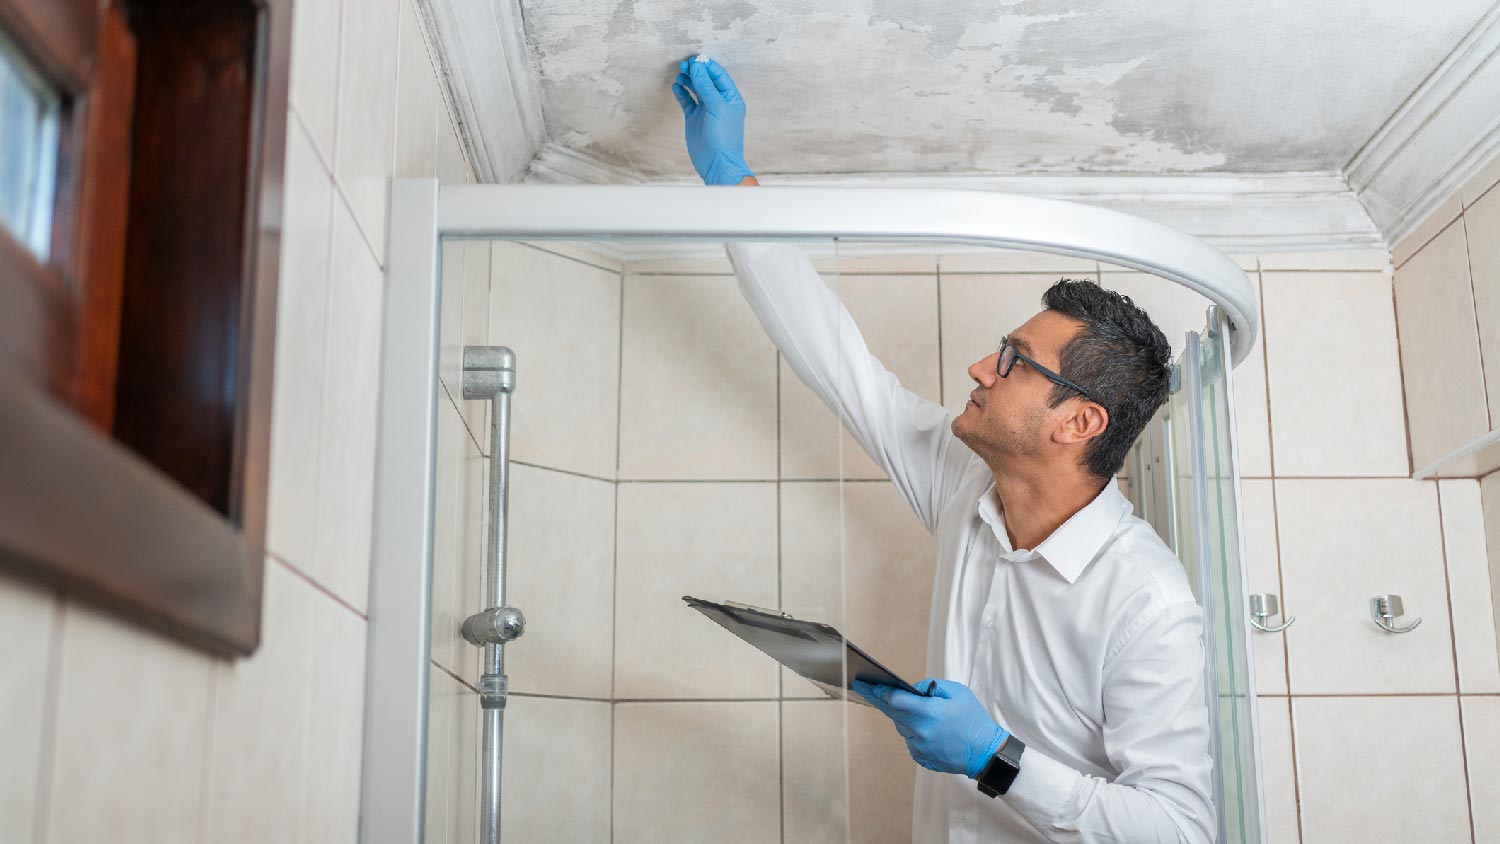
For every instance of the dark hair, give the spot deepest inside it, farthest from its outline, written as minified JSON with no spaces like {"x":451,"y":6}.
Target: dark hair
{"x":1120,"y":357}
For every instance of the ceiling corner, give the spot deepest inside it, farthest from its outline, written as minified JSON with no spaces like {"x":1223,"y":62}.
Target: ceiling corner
{"x":1438,"y":138}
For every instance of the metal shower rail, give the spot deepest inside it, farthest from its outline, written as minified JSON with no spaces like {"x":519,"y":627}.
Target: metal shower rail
{"x":422,"y":214}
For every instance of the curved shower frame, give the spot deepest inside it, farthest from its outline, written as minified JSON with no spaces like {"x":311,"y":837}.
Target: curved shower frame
{"x":423,"y":214}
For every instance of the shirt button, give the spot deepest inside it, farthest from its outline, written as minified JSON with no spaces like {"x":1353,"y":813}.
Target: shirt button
{"x":989,"y":622}
{"x":960,"y":818}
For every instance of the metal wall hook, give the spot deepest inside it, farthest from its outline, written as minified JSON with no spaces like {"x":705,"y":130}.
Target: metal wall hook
{"x":1383,"y":608}
{"x":1262,"y":607}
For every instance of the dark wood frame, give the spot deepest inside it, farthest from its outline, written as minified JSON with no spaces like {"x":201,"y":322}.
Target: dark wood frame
{"x":136,"y":363}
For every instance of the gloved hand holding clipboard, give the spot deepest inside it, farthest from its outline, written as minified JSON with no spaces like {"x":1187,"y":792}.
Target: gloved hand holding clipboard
{"x":813,"y":650}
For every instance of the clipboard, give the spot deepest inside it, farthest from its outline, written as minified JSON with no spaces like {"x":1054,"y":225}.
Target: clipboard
{"x":814,"y":650}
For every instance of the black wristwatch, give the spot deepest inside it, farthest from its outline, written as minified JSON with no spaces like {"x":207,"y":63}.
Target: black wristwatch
{"x":1002,"y":768}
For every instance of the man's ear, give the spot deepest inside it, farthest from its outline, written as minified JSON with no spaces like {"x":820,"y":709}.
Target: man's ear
{"x":1088,"y":420}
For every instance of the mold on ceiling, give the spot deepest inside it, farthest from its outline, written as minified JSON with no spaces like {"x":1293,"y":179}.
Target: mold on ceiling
{"x":1025,"y":86}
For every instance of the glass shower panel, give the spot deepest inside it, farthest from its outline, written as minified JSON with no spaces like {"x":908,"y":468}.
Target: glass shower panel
{"x":659,"y":447}
{"x":1197,"y":426}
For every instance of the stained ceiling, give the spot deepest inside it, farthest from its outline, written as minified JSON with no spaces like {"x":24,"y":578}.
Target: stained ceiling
{"x":1029,"y":86}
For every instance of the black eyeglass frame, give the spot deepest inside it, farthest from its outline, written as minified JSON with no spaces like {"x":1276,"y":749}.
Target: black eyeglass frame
{"x":1003,"y":369}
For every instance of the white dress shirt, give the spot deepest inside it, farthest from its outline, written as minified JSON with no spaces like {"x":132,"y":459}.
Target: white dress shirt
{"x":1087,"y":647}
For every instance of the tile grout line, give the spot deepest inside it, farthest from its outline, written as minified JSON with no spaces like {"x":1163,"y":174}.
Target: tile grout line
{"x":1291,"y":729}
{"x":1428,"y":241}
{"x":461,"y":681}
{"x":1286,"y":648}
{"x":1463,"y":748}
{"x":1463,"y":220}
{"x":317,"y":586}
{"x":781,"y":605}
{"x":614,"y":604}
{"x":52,"y":696}
{"x":1411,"y":464}
{"x":566,"y":257}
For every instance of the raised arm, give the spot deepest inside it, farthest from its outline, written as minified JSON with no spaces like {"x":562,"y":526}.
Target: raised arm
{"x":907,"y":435}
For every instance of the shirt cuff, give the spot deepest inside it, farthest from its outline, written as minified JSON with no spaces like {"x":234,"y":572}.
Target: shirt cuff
{"x":1042,"y":788}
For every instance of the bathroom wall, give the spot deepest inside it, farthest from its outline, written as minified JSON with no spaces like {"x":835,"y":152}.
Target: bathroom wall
{"x":1331,"y":518}
{"x":116,"y":734}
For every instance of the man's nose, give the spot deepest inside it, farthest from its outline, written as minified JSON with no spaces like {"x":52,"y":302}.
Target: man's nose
{"x":983,"y":371}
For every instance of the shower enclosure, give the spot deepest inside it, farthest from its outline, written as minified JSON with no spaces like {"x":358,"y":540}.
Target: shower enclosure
{"x":661,"y":448}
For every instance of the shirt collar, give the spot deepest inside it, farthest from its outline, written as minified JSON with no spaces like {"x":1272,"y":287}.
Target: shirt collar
{"x":1077,"y":541}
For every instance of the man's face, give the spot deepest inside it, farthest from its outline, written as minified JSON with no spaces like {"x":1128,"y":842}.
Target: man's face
{"x":1009,"y":416}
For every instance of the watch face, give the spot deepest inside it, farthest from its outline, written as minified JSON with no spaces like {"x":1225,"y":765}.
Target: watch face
{"x":1002,"y":768}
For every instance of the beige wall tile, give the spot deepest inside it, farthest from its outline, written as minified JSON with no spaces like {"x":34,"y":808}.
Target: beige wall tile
{"x":1445,"y":402}
{"x":1335,"y":387}
{"x":301,"y":335}
{"x":475,"y":332}
{"x":887,"y":558}
{"x":1012,"y":261}
{"x":1263,"y":574}
{"x":1469,"y":586}
{"x":1343,"y":259}
{"x":313,"y":89}
{"x":1175,"y":309}
{"x":898,"y":318}
{"x":882,"y":774}
{"x":458,"y":541}
{"x":1482,"y":180}
{"x":1252,"y":416}
{"x":451,"y":494}
{"x":129,"y":755}
{"x":1489,"y":497}
{"x":712,"y":261}
{"x":594,"y":253}
{"x":453,"y":750}
{"x":562,"y":319}
{"x":869,"y":259}
{"x":451,"y":317}
{"x":1481,"y":737}
{"x":1417,"y":238}
{"x":437,"y":816}
{"x":978,"y":310}
{"x":255,"y":783}
{"x":556,"y":774}
{"x":698,"y":382}
{"x":367,"y":113}
{"x":671,"y":782}
{"x":1482,"y":225}
{"x":346,"y":470}
{"x":1343,"y":542}
{"x":330,"y":800}
{"x":713,"y":541}
{"x":417,"y":101}
{"x":1277,"y":771}
{"x":473,"y":530}
{"x":27,"y":621}
{"x":560,"y":573}
{"x":1380,"y":768}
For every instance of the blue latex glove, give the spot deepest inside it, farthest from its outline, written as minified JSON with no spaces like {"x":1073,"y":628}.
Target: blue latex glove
{"x":950,"y":731}
{"x":715,"y":121}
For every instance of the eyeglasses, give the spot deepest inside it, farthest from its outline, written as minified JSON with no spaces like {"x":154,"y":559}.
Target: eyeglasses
{"x":1007,"y":362}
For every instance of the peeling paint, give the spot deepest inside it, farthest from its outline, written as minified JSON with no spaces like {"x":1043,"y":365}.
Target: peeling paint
{"x":978,"y":85}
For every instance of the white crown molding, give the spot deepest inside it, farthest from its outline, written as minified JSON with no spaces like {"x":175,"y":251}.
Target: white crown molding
{"x":497,"y":102}
{"x":1444,"y":132}
{"x":1238,"y":212}
{"x":556,"y":164}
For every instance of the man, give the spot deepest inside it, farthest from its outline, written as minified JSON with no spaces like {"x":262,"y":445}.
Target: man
{"x":1067,"y":630}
